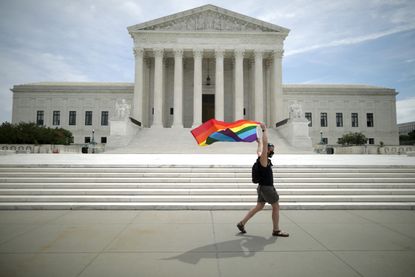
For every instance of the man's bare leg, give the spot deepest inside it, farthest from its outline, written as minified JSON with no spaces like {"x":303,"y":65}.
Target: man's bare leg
{"x":259,"y":206}
{"x":276,"y":220}
{"x":276,"y":216}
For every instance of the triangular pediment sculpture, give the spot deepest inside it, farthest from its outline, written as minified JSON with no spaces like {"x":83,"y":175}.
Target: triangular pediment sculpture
{"x":208,"y":18}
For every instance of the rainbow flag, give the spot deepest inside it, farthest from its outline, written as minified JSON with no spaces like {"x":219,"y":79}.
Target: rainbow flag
{"x":214,"y":130}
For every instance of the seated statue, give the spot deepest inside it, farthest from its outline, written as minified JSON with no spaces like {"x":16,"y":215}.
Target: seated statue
{"x":295,"y":111}
{"x":122,"y":110}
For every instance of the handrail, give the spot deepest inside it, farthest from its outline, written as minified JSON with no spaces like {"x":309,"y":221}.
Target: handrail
{"x":282,"y":122}
{"x":136,"y":122}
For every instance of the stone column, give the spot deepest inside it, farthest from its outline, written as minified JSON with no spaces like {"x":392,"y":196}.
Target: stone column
{"x":158,"y":88}
{"x":277,"y":107}
{"x":138,"y":85}
{"x":268,"y":84}
{"x":219,"y":89}
{"x":259,"y":87}
{"x":197,"y":86}
{"x":239,"y":84}
{"x":178,"y":88}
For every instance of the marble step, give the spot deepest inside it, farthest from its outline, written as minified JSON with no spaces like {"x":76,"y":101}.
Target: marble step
{"x":200,"y":168}
{"x":120,"y":175}
{"x":201,"y":185}
{"x":203,"y":198}
{"x":191,"y":172}
{"x":202,"y":180}
{"x":203,"y":191}
{"x":204,"y":206}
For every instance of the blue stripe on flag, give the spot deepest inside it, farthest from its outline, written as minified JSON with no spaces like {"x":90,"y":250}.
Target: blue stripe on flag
{"x":247,"y":133}
{"x":221,"y":137}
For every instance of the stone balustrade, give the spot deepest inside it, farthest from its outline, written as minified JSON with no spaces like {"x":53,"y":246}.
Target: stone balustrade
{"x":366,"y":149}
{"x":48,"y":148}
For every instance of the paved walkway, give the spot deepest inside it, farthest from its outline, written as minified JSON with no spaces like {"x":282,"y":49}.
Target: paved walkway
{"x":206,"y":243}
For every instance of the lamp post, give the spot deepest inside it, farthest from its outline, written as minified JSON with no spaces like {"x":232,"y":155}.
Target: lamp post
{"x":321,"y":136}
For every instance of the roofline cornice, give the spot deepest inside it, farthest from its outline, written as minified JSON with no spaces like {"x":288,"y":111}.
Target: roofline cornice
{"x":337,"y":89}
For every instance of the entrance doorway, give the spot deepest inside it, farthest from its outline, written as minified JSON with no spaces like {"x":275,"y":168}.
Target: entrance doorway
{"x":208,"y":107}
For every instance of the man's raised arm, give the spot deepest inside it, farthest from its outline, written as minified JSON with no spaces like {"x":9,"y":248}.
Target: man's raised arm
{"x":264,"y":154}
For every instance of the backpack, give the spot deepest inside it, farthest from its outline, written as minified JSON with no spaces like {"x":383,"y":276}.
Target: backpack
{"x":256,"y":175}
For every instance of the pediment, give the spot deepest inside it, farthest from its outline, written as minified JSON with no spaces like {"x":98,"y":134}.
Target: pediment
{"x":207,"y":18}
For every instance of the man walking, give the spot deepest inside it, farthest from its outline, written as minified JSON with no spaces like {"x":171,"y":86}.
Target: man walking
{"x":266,"y":190}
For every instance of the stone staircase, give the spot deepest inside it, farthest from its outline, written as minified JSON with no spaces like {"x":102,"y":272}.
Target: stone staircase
{"x":159,"y":140}
{"x":203,"y":187}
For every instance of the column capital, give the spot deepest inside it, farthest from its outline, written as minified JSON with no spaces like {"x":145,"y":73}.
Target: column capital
{"x":178,"y":52}
{"x":219,"y":53}
{"x":138,"y":52}
{"x":158,"y":52}
{"x":258,"y":53}
{"x":239,"y":53}
{"x":277,"y":53}
{"x":198,"y":52}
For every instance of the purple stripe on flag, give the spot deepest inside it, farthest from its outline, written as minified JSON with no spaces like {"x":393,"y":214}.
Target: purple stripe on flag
{"x":231,"y":134}
{"x":251,"y":138}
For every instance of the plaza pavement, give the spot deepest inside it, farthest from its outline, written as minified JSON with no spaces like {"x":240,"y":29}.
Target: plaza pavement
{"x":206,"y":243}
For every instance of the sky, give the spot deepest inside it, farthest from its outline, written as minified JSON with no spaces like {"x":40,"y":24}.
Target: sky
{"x":331,"y":41}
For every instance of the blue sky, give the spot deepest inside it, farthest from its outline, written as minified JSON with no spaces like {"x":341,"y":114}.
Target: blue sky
{"x":331,"y":42}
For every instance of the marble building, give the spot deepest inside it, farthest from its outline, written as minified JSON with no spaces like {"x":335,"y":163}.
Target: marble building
{"x":204,"y":63}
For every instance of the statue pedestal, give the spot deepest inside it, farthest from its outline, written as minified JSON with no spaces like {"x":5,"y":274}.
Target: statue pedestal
{"x":296,"y":132}
{"x":121,"y":133}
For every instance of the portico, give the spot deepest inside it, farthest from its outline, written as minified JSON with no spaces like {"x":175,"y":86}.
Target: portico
{"x":183,"y":58}
{"x":204,"y":63}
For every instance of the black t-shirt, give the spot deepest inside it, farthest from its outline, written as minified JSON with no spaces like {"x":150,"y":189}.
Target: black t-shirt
{"x":267,"y":177}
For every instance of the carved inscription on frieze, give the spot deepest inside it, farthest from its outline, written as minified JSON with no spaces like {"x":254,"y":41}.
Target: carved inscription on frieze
{"x":209,"y":21}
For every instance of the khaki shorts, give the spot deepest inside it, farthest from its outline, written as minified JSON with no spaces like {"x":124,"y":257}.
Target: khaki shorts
{"x":267,"y":194}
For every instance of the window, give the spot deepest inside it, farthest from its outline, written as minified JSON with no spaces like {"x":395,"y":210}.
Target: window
{"x":87,"y":139}
{"x":88,"y":118}
{"x":171,"y":111}
{"x":339,"y":119}
{"x":371,"y":141}
{"x":40,"y":115}
{"x":103,"y":139}
{"x":308,"y":116}
{"x":325,"y":141}
{"x":104,"y":118}
{"x":355,"y":120}
{"x":323,"y":119}
{"x":369,"y":117}
{"x":72,"y":117}
{"x":56,"y":118}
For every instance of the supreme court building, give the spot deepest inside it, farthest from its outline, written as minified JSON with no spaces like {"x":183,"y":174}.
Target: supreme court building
{"x":204,"y":63}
